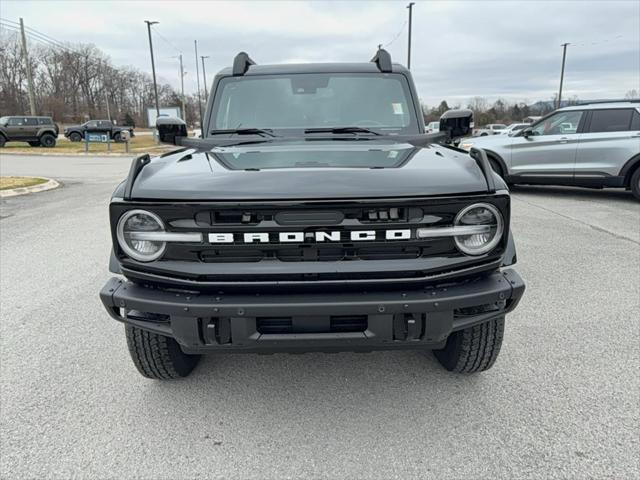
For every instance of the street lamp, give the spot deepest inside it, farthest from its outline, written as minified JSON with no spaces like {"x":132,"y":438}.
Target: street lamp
{"x":564,"y":57}
{"x":153,"y":65}
{"x":410,"y":7}
{"x":204,"y":76}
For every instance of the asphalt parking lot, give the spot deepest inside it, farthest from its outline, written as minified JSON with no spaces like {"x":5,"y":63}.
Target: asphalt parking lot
{"x":563,"y":399}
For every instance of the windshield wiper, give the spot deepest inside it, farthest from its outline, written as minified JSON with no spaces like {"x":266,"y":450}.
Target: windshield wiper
{"x":264,"y":132}
{"x":341,"y":130}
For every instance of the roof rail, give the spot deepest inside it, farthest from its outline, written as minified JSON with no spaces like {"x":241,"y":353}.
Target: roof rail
{"x":617,"y":100}
{"x":241,"y":64}
{"x":383,"y":60}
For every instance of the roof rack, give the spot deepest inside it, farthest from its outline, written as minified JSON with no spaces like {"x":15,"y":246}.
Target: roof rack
{"x":617,"y":100}
{"x":241,"y":64}
{"x":383,"y":60}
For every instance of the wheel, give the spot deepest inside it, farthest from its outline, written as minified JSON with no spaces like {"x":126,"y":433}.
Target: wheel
{"x":117,"y":137}
{"x":635,"y":183}
{"x":484,"y":134}
{"x":75,"y":137}
{"x":34,"y":144}
{"x":2,"y":141}
{"x":48,"y":140}
{"x":473,"y":349}
{"x":158,"y":357}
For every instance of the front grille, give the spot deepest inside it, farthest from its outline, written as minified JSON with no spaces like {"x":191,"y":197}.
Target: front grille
{"x":308,"y":260}
{"x":327,"y":324}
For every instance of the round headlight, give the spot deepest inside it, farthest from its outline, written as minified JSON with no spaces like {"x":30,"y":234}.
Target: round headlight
{"x":491,"y":226}
{"x":135,"y":233}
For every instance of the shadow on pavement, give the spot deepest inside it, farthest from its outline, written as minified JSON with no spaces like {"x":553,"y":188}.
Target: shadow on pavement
{"x":615,"y":194}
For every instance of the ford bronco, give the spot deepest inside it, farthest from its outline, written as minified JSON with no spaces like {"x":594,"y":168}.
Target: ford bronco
{"x":315,"y":214}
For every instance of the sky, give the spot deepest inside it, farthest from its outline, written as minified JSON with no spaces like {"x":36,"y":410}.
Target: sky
{"x":505,"y":49}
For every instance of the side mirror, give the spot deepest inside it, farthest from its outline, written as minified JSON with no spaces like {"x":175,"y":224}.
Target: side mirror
{"x":171,"y":130}
{"x":456,"y":123}
{"x":527,"y":132}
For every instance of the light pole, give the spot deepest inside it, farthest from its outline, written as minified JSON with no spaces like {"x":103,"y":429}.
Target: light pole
{"x":182,"y":74}
{"x":195,"y":43}
{"x":204,"y":77}
{"x":564,"y":57}
{"x":410,"y":7}
{"x":153,"y":66}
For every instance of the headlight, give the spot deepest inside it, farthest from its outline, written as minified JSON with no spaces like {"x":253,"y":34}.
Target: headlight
{"x":136,"y":231}
{"x":489,"y":225}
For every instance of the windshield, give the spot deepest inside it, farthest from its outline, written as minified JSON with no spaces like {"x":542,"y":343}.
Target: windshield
{"x":499,"y":127}
{"x":293,"y":103}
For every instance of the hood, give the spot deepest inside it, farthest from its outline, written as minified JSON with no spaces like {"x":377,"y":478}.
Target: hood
{"x":309,"y":171}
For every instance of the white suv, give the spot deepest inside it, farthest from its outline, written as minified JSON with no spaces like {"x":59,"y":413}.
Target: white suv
{"x":591,"y":145}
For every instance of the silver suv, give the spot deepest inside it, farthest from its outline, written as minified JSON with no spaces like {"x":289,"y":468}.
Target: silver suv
{"x":590,"y":145}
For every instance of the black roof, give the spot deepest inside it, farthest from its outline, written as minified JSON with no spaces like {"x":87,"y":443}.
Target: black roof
{"x":292,"y":68}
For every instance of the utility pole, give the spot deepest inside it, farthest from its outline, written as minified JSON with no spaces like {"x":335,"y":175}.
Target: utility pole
{"x":106,"y":100}
{"x":153,"y":66}
{"x":204,"y":77}
{"x":410,"y":7}
{"x":195,"y":42}
{"x":184,"y":111}
{"x":27,"y":66}
{"x":564,"y":57}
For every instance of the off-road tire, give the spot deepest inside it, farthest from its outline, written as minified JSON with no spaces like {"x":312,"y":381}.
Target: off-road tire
{"x":635,"y":183}
{"x":48,"y":140}
{"x":158,"y":357}
{"x":75,"y":137}
{"x":2,"y":141}
{"x":34,"y":144}
{"x":117,"y":137}
{"x":473,"y":349}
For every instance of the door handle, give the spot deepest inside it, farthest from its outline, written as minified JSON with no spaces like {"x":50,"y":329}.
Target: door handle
{"x":563,"y":140}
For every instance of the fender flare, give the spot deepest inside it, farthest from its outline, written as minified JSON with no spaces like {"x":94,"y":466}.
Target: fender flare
{"x":498,"y":158}
{"x":509,"y":257}
{"x":629,"y":167}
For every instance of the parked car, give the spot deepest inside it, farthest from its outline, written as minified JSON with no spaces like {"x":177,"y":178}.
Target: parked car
{"x":75,"y":133}
{"x":36,"y":131}
{"x":491,"y":129}
{"x":589,"y":145}
{"x":315,"y":226}
{"x":433,"y":127}
{"x":514,"y":127}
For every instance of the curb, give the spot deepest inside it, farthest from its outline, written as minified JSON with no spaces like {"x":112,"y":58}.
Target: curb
{"x":14,"y":192}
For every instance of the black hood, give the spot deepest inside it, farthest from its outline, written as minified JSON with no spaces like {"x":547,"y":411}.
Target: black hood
{"x":310,"y":170}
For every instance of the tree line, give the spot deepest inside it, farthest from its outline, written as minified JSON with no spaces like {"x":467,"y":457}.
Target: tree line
{"x":74,"y":84}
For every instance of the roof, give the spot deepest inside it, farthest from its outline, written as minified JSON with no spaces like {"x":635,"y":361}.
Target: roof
{"x":293,"y":68}
{"x":603,"y":105}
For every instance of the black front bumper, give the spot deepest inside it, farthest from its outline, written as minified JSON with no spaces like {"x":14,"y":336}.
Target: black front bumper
{"x":413,"y":318}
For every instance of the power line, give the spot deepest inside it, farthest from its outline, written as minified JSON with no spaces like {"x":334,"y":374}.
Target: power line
{"x":166,"y":41}
{"x":398,"y":34}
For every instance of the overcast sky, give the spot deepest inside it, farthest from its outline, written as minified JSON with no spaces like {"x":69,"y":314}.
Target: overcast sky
{"x":509,"y":49}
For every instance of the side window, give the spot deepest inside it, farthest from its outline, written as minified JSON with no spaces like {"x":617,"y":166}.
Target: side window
{"x":16,"y":122}
{"x":614,"y":120}
{"x":635,"y":121}
{"x":31,"y":121}
{"x":105,"y":124}
{"x":44,"y":121}
{"x":561,"y":123}
{"x":92,"y":124}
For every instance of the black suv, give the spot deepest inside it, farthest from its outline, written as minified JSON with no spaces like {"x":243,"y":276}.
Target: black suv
{"x":76,"y":133}
{"x":37,"y":131}
{"x":315,"y":215}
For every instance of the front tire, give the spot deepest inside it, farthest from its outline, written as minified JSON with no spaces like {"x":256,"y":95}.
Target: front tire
{"x":2,"y":141}
{"x":75,"y":137}
{"x":158,"y":357}
{"x":635,"y":183}
{"x":473,"y":349}
{"x":47,"y":140}
{"x":117,"y":137}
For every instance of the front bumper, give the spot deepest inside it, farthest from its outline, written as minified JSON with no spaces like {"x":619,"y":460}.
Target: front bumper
{"x":343,"y":321}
